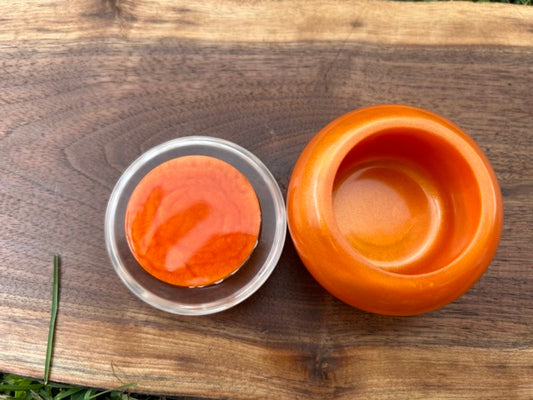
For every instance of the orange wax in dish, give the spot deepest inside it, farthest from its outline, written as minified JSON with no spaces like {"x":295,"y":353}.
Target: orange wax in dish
{"x":193,"y":221}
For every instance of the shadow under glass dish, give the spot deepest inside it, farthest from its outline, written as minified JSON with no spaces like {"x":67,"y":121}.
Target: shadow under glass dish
{"x":235,"y":288}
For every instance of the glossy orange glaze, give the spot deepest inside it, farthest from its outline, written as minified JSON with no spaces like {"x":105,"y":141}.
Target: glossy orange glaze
{"x":193,"y":221}
{"x":394,"y":210}
{"x":389,"y":214}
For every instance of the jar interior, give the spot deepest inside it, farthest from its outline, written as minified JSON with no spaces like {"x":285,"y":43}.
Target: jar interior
{"x":407,"y":201}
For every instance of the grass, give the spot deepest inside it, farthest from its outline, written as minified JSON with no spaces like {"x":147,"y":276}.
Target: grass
{"x":53,"y":317}
{"x":20,"y":388}
{"x":13,"y":387}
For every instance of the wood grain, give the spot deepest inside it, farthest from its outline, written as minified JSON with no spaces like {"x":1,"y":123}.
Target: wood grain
{"x":82,"y":99}
{"x":270,"y":21}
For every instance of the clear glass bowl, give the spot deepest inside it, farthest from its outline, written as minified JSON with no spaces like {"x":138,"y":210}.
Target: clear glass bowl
{"x":234,"y":289}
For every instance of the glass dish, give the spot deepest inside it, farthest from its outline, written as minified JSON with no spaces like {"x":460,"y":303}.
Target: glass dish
{"x":234,"y":289}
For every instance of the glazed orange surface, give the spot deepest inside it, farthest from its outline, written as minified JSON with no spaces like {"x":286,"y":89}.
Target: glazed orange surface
{"x":193,"y":221}
{"x":394,"y":210}
{"x":389,"y":213}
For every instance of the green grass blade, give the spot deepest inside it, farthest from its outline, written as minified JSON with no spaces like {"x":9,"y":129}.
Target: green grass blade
{"x":55,"y":385}
{"x":35,"y":396}
{"x":117,"y":389}
{"x":45,"y":393}
{"x":53,"y":317}
{"x":20,"y":388}
{"x":67,"y":393}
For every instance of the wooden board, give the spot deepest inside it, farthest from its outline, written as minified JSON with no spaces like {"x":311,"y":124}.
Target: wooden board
{"x":87,"y":86}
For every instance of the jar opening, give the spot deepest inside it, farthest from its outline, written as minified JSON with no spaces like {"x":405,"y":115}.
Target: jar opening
{"x":406,"y":200}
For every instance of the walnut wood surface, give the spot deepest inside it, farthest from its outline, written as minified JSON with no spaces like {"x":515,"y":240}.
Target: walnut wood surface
{"x":87,"y":86}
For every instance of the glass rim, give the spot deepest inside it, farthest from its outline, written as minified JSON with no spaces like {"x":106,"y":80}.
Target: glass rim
{"x":274,"y":245}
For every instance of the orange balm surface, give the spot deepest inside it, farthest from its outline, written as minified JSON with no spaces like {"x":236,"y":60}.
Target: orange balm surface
{"x":193,"y":221}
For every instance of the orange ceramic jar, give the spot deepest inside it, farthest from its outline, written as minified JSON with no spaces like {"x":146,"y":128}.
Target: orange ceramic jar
{"x":394,"y":210}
